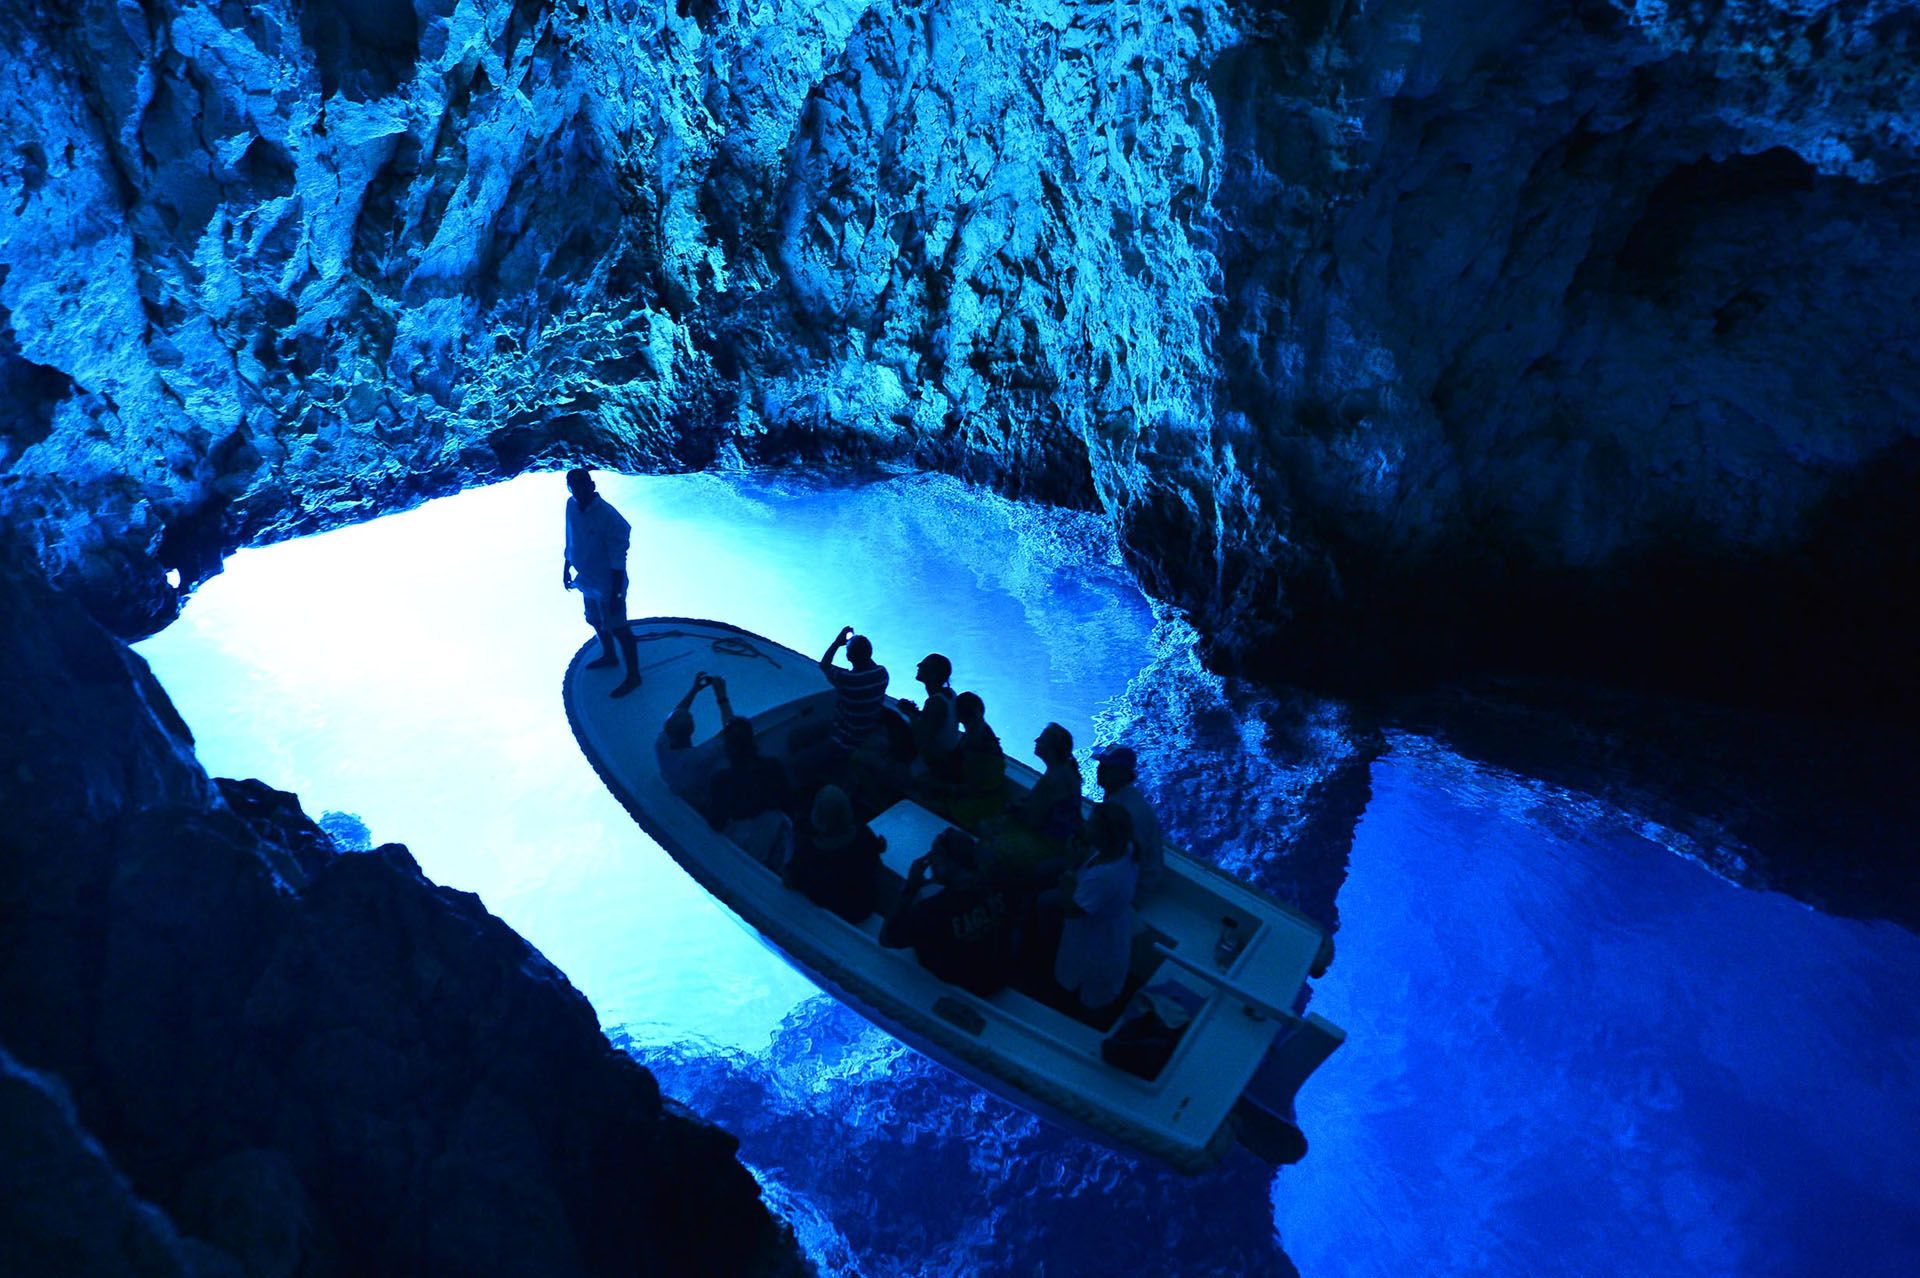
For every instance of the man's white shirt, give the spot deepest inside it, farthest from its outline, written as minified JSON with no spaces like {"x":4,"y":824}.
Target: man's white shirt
{"x":597,"y":538}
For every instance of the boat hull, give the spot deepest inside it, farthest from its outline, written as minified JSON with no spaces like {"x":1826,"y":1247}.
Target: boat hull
{"x":885,"y":987}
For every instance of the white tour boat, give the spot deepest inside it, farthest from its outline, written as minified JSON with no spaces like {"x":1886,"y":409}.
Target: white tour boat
{"x":1236,"y":1064}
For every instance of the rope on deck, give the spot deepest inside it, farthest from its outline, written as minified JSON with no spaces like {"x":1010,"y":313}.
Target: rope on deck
{"x":725,"y":645}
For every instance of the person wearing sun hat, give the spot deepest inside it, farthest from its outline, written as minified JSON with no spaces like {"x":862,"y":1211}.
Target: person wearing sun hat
{"x":836,"y":858}
{"x":1117,"y":770}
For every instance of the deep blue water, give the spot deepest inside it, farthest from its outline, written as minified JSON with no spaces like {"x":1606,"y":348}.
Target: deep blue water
{"x":1572,"y":1050}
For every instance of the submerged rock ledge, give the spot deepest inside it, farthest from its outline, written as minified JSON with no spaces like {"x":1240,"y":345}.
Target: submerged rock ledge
{"x":228,"y":1048}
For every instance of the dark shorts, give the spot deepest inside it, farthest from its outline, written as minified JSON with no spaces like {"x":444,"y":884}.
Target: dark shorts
{"x":609,"y":613}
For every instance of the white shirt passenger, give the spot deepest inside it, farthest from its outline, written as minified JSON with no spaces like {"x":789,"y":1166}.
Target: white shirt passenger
{"x":1096,"y":946}
{"x":1146,"y":833}
{"x":596,"y":545}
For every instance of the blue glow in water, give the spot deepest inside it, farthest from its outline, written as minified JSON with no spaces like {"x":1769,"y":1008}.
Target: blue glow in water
{"x":1571,"y":1051}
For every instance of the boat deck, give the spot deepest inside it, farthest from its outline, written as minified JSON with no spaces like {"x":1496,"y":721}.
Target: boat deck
{"x":1011,"y":1042}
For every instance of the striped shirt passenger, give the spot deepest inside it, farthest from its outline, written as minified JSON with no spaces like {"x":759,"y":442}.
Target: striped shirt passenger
{"x":857,"y":711}
{"x":862,"y":690}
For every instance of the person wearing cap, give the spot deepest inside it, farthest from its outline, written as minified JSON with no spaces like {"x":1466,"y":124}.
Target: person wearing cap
{"x":1117,"y":770}
{"x":936,"y":726}
{"x":1052,"y":808}
{"x":836,"y":859}
{"x":963,"y":932}
{"x":595,"y":564}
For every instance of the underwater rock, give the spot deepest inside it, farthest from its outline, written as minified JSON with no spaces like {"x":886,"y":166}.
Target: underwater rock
{"x":313,"y":1062}
{"x":1398,"y":339}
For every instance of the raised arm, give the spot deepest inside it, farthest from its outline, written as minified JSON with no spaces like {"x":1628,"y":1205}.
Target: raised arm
{"x":700,"y":681}
{"x":719,"y":687}
{"x":833,"y":649}
{"x":893,"y":934}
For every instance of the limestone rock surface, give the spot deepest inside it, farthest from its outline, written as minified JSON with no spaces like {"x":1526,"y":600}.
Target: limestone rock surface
{"x":1397,"y":338}
{"x":288,"y":1059}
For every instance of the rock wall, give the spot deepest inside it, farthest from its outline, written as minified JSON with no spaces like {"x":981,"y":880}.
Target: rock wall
{"x":231,"y":1049}
{"x":1397,"y":337}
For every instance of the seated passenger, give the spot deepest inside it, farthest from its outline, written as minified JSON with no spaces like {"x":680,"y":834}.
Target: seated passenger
{"x":963,"y":931}
{"x":836,"y":859}
{"x":936,"y":728}
{"x":1116,"y":774}
{"x":1052,"y":808}
{"x":979,"y":790}
{"x":682,"y":770}
{"x":750,"y":783}
{"x":983,"y":764}
{"x":1096,"y":936}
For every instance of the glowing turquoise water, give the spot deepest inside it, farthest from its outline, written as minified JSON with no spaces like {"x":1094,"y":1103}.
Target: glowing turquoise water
{"x":1572,"y":1051}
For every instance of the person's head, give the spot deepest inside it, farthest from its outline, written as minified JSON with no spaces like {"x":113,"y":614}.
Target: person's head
{"x":1110,"y":832}
{"x":953,"y":858}
{"x":737,"y":739}
{"x":934,"y":670}
{"x":679,"y":730}
{"x":860,"y":650}
{"x":580,"y":484}
{"x":831,"y":820}
{"x":1054,"y":744}
{"x":1117,"y":767}
{"x":970,"y":710}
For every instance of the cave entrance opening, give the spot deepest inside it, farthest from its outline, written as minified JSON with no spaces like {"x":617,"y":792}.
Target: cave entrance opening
{"x":404,"y":676}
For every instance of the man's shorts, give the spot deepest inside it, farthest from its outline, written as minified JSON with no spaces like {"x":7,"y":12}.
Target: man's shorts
{"x":606,"y":613}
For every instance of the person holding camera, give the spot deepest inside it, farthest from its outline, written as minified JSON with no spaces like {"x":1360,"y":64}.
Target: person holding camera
{"x":963,"y":930}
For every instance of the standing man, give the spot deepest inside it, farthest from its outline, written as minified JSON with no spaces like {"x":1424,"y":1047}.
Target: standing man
{"x":596,"y":564}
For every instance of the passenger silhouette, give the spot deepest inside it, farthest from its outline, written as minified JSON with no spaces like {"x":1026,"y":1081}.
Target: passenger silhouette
{"x":836,"y":858}
{"x":963,"y":932}
{"x":595,"y":564}
{"x":978,"y":742}
{"x":1096,"y":937}
{"x":673,"y":748}
{"x":749,"y":797}
{"x":1116,"y":772}
{"x":936,"y":728}
{"x":684,"y":769}
{"x":861,"y":695}
{"x":1052,"y":808}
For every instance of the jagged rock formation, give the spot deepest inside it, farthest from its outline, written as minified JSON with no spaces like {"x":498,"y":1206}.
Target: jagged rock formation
{"x":1396,"y":337}
{"x":276,"y":1058}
